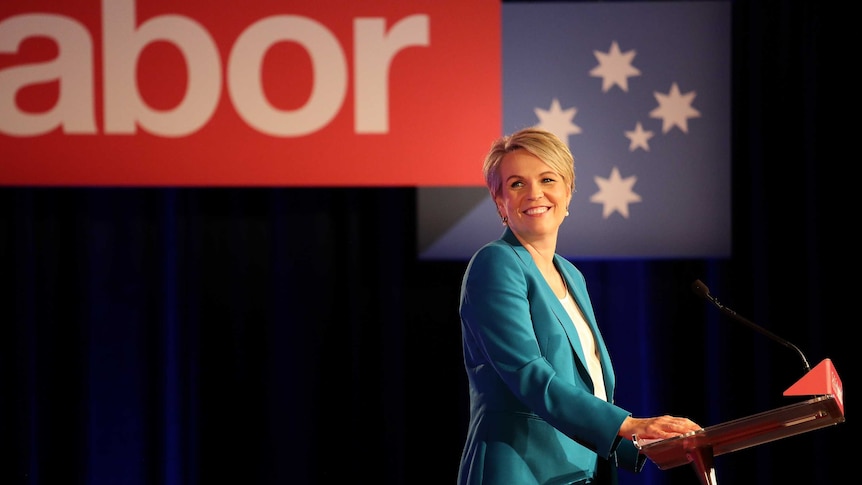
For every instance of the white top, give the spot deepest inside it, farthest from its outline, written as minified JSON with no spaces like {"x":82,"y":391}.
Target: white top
{"x":588,"y":342}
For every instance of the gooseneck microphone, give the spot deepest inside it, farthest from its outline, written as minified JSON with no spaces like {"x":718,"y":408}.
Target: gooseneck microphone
{"x":701,"y":289}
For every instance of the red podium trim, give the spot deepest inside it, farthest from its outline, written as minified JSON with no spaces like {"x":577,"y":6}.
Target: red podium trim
{"x":822,"y":380}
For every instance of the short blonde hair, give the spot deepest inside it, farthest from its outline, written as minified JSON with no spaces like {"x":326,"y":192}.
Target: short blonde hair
{"x":540,"y":143}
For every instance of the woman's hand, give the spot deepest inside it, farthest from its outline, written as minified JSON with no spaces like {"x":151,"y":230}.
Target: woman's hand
{"x":660,"y":427}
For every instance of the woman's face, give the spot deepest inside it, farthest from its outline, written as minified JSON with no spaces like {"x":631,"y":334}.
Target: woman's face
{"x":533,"y":196}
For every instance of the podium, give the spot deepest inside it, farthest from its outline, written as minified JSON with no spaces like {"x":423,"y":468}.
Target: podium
{"x":699,"y":448}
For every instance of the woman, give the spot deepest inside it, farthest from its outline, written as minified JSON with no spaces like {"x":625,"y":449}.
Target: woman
{"x":540,"y":377}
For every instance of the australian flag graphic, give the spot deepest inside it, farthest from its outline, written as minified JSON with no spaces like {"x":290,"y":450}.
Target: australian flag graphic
{"x":641,"y":92}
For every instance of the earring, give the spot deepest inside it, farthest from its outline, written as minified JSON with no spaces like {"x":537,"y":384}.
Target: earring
{"x":505,"y":220}
{"x":567,"y":212}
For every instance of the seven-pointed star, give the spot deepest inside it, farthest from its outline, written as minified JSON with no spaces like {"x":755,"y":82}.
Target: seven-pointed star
{"x":615,"y":193}
{"x":639,"y":138}
{"x":674,"y":109}
{"x":615,"y":67}
{"x":558,"y":121}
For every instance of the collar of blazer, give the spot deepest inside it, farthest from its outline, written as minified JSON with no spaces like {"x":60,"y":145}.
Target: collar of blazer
{"x":562,"y":264}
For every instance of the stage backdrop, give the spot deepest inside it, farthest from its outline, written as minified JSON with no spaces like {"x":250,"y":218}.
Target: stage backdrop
{"x":373,"y":94}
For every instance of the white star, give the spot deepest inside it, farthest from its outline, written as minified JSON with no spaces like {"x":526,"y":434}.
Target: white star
{"x":615,"y":67}
{"x":639,"y":138}
{"x":558,"y":121}
{"x":615,"y":193}
{"x":674,"y":109}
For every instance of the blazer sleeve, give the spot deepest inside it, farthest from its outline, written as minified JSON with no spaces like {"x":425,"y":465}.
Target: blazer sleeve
{"x":502,"y":306}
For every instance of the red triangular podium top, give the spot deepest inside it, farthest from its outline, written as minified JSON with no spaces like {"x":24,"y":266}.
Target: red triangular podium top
{"x":821,"y":380}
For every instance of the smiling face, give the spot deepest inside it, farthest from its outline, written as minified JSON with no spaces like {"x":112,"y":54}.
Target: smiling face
{"x":533,"y":197}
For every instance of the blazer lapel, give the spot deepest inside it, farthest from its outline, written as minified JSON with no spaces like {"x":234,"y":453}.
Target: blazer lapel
{"x":581,"y":298}
{"x":583,"y":301}
{"x":556,"y":306}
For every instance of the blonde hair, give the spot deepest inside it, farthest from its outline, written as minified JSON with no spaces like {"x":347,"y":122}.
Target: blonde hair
{"x":540,"y":143}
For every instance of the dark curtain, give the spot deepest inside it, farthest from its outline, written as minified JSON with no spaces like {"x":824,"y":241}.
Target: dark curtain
{"x":285,"y":335}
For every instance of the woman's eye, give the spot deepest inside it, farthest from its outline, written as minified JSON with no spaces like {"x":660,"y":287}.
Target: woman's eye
{"x":517,"y":184}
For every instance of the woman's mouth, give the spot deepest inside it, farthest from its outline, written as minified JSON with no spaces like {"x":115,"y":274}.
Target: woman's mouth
{"x":536,"y":210}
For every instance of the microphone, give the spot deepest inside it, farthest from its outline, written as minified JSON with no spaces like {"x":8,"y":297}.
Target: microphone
{"x":701,"y":290}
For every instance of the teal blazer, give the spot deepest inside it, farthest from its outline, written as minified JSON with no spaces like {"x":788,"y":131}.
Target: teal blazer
{"x":533,"y":416}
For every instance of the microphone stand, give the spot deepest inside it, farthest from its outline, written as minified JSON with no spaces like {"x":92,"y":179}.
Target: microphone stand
{"x":699,"y":288}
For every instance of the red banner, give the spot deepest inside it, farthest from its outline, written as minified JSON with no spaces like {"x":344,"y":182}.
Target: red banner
{"x":262,"y":93}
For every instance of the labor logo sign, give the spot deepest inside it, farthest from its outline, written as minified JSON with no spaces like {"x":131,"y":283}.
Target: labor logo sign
{"x":263,"y":93}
